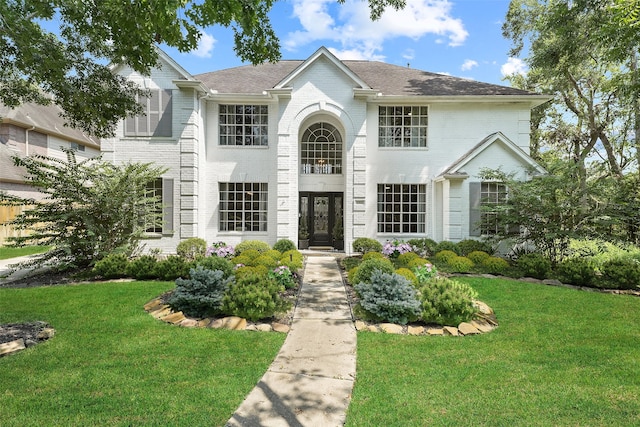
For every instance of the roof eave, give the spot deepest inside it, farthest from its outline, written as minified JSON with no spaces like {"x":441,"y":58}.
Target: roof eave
{"x":532,"y":100}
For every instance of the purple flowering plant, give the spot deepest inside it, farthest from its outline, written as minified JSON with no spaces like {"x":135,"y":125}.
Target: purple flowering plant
{"x":284,"y":276}
{"x":220,"y":249}
{"x":396,"y":248}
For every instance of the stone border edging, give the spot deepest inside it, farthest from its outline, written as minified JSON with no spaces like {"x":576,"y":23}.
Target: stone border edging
{"x":20,"y":344}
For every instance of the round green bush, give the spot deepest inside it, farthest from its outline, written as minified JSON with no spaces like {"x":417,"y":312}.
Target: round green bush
{"x":254,"y":297}
{"x":365,"y":244}
{"x":389,"y":297}
{"x":465,"y":247}
{"x":243,"y":260}
{"x":577,"y":271}
{"x":274,"y":254}
{"x":404,"y":260}
{"x":447,"y":302}
{"x":424,"y":247}
{"x":142,"y":267}
{"x":349,"y":262}
{"x":192,"y":248}
{"x":267,"y":261}
{"x":201,"y":295}
{"x":293,"y":259}
{"x":478,"y":256}
{"x":372,"y":255}
{"x":460,"y":264}
{"x":447,"y":246}
{"x":494,"y":265}
{"x":534,"y":265}
{"x":443,"y":257}
{"x":418,"y":262}
{"x":369,"y":266}
{"x":408,"y":274}
{"x":113,"y":266}
{"x":252,"y":254}
{"x":621,"y":274}
{"x":259,"y":270}
{"x":257,"y":245}
{"x":284,"y":245}
{"x":172,"y":267}
{"x":217,"y":263}
{"x":352,"y":274}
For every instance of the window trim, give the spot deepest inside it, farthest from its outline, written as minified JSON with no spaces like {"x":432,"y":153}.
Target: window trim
{"x":393,"y":127}
{"x":420,"y":203}
{"x":320,"y":165}
{"x":240,"y":208}
{"x":263,"y":127}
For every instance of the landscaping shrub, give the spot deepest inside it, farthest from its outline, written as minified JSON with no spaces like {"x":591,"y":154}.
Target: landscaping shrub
{"x":389,"y":297}
{"x":460,"y":264}
{"x":425,"y":272}
{"x":365,"y":244}
{"x":274,"y":254}
{"x":349,"y":262}
{"x":284,"y":276}
{"x":423,"y":247}
{"x":408,"y":274}
{"x":352,"y":274}
{"x":254,"y":297}
{"x":259,"y":270}
{"x":257,"y":245}
{"x":443,"y":257}
{"x":251,"y":254}
{"x":417,"y":262}
{"x":112,"y":266}
{"x":405,"y":259}
{"x":478,"y":256}
{"x":534,"y":265}
{"x":201,"y":295}
{"x":217,"y":263}
{"x":621,"y":274}
{"x":267,"y":261}
{"x":447,"y":246}
{"x":284,"y":245}
{"x":221,"y":249}
{"x":367,"y":268}
{"x":172,"y":268}
{"x":494,"y":265}
{"x":372,"y":255}
{"x":293,"y":259}
{"x":192,"y":248}
{"x":577,"y":271}
{"x":467,"y":246}
{"x":142,"y":267}
{"x":447,"y":302}
{"x":396,"y":248}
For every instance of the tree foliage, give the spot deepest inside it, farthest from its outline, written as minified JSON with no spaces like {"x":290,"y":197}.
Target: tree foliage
{"x":67,"y":65}
{"x":90,"y":208}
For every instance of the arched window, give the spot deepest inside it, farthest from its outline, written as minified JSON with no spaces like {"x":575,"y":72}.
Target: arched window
{"x":321,"y":151}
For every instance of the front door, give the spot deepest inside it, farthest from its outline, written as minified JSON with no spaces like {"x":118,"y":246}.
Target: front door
{"x":321,"y":215}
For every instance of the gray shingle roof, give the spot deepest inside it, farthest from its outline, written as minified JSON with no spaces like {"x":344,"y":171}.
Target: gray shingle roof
{"x":384,"y":78}
{"x":46,"y":119}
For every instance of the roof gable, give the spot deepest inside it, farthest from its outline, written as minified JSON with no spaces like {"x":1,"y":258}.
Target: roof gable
{"x":322,"y":52}
{"x":457,"y":167}
{"x":163,"y":58}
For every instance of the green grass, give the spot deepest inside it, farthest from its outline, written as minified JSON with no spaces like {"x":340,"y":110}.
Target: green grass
{"x":560,"y":357}
{"x":111,"y":363}
{"x":9,"y":252}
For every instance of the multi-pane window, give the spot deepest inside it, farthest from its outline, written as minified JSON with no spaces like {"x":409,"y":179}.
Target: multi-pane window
{"x":244,"y":125}
{"x":321,"y":150}
{"x":157,"y":116}
{"x":153,"y":222}
{"x":401,"y":208}
{"x":243,"y":206}
{"x":402,"y":126}
{"x":492,"y":194}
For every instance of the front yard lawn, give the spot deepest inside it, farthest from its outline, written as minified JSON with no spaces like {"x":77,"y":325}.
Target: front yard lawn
{"x":7,"y":252}
{"x":559,"y":357}
{"x":111,"y":363}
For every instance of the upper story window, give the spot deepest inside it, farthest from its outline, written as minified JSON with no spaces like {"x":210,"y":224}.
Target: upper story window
{"x":157,"y":118}
{"x":244,"y":125}
{"x":402,"y":126}
{"x":321,"y":150}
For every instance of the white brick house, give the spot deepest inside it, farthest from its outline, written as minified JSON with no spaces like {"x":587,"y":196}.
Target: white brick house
{"x":375,"y":150}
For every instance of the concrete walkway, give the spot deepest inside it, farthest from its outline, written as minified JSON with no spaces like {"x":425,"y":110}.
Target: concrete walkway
{"x":7,"y":275}
{"x":310,"y":381}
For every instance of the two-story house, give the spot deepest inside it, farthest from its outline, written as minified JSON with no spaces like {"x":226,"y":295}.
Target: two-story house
{"x":332,"y":149}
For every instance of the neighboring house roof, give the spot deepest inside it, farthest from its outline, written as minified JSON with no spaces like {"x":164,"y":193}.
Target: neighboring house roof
{"x":456,"y":168}
{"x":45,"y":119}
{"x":8,"y":171}
{"x":386,"y":79}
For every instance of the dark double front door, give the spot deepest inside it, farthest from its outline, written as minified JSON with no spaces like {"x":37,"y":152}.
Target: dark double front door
{"x":321,"y":215}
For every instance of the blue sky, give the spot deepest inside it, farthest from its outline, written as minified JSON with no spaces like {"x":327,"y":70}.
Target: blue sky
{"x":461,"y":38}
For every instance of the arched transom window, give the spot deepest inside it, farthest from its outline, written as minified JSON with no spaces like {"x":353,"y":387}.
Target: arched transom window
{"x":321,"y":151}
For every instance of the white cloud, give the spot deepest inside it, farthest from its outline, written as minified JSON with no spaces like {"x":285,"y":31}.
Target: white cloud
{"x":468,"y":64}
{"x":409,"y":54}
{"x":205,"y":46}
{"x":350,"y":26}
{"x":513,"y":66}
